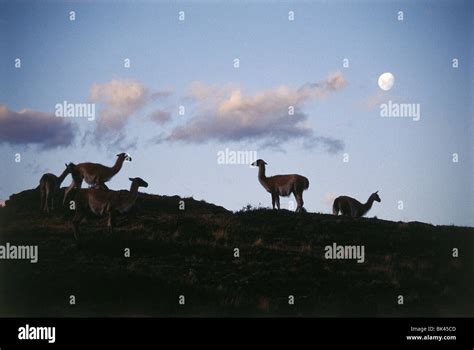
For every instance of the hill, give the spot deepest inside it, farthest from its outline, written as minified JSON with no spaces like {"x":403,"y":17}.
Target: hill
{"x":192,"y":253}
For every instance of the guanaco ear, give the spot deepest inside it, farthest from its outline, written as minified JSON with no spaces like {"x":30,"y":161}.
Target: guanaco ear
{"x":377,"y":192}
{"x":130,"y":179}
{"x":264,"y":162}
{"x":65,"y":164}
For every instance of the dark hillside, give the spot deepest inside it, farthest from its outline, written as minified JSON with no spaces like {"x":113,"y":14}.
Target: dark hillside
{"x":190,"y":252}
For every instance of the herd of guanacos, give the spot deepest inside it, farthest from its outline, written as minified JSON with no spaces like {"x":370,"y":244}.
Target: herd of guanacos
{"x":101,"y":201}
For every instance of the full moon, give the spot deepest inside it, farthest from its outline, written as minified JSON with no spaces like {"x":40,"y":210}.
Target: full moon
{"x":386,"y":81}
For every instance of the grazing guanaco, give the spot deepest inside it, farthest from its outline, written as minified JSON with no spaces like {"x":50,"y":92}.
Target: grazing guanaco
{"x":282,"y":185}
{"x":49,"y":185}
{"x":105,"y":202}
{"x":95,"y":174}
{"x":352,"y":207}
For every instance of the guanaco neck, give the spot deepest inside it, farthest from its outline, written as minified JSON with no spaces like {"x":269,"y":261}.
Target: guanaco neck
{"x":368,"y":204}
{"x":127,"y":199}
{"x":62,"y":176}
{"x":261,"y":172}
{"x":118,"y":165}
{"x":134,"y":189}
{"x":262,"y":178}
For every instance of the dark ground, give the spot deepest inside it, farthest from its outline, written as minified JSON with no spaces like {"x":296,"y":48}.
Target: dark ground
{"x":191,"y":253}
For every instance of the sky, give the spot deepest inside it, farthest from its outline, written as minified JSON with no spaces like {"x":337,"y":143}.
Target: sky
{"x":325,"y":64}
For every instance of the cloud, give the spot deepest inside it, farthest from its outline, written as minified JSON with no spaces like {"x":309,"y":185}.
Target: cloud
{"x":32,"y":127}
{"x":161,"y":95}
{"x":160,"y":116}
{"x":120,"y":99}
{"x":322,"y":89}
{"x":331,"y":145}
{"x":226,"y":114}
{"x":375,"y":100}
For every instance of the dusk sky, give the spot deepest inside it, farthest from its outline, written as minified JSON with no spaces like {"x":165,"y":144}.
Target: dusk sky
{"x":283,"y":63}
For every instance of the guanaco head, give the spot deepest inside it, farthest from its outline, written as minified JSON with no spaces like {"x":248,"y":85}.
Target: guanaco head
{"x":124,"y":156}
{"x":70,"y":167}
{"x":140,"y":182}
{"x":375,"y":196}
{"x":259,"y":162}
